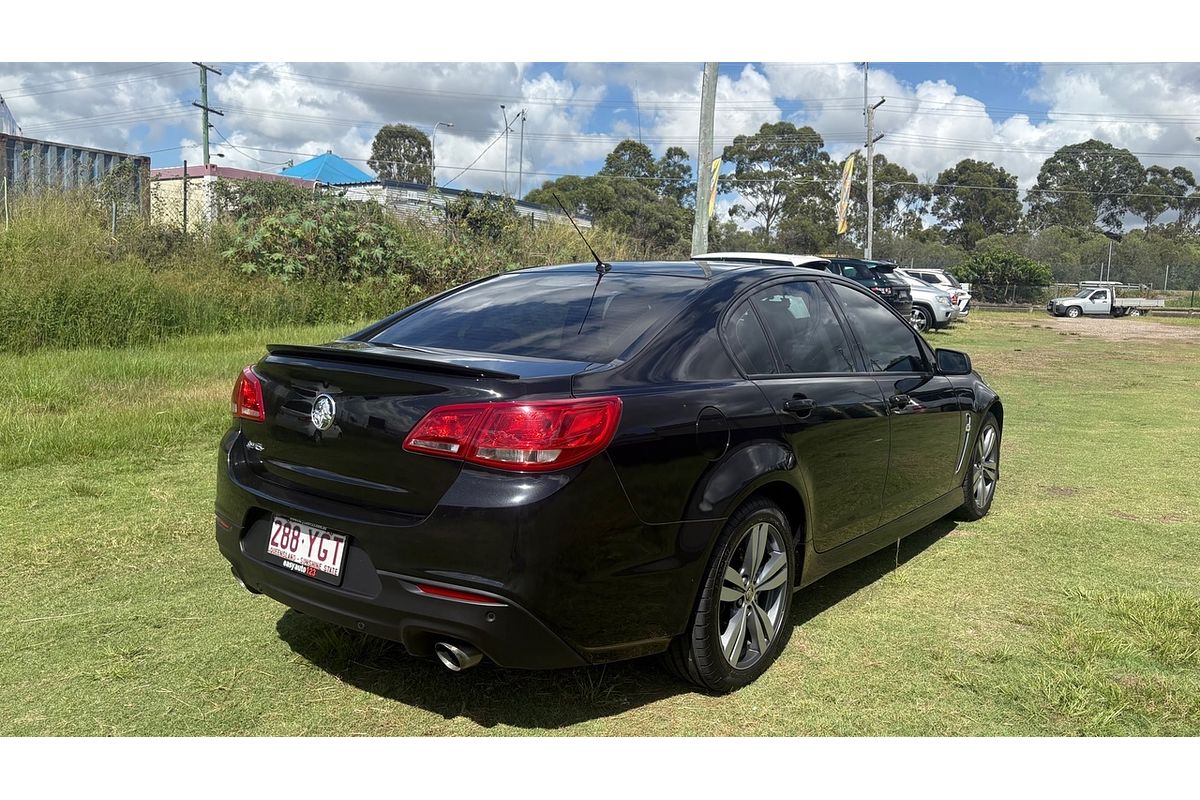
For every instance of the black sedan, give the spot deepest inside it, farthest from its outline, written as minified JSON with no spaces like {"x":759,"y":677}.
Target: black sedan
{"x":578,"y":464}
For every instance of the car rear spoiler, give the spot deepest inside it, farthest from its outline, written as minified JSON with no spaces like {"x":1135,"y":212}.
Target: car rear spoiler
{"x":360,"y":352}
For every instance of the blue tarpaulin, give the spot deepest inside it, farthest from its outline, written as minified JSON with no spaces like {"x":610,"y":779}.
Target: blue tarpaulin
{"x":329,"y":168}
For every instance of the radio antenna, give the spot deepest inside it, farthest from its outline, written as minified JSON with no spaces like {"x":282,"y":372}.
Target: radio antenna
{"x":601,"y":267}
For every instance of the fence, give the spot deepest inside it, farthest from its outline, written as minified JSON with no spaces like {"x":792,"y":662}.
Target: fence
{"x":33,"y":166}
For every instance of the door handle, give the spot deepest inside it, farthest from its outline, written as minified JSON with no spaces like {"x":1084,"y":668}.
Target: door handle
{"x":899,"y":402}
{"x":800,"y":406}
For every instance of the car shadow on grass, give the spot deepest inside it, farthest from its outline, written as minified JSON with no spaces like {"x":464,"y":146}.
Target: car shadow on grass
{"x":490,"y":696}
{"x":847,"y":581}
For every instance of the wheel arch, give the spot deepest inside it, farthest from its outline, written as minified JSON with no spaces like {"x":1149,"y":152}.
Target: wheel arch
{"x":792,"y":503}
{"x":996,"y":408}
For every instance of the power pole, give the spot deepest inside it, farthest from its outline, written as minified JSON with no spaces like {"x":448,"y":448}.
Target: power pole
{"x":521,"y":157}
{"x":507,"y":128}
{"x":203,"y":106}
{"x":708,"y":105}
{"x":185,"y":199}
{"x":869,"y":112}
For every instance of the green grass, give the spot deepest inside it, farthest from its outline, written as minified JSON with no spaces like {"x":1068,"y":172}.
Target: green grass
{"x":1073,"y":608}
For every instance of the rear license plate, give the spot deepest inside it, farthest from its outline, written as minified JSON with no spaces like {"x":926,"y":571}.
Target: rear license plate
{"x":307,"y":550}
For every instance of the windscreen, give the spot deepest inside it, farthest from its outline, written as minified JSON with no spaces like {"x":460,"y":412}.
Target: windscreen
{"x":542,"y":315}
{"x":887,"y":276}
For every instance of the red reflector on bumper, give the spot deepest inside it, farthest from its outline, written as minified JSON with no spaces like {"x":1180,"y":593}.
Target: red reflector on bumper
{"x":458,"y":594}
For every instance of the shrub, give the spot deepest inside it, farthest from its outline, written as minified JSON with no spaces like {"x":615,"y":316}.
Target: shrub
{"x":1001,"y":275}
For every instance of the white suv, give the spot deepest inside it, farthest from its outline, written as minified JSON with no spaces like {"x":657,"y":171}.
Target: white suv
{"x":944,"y":281}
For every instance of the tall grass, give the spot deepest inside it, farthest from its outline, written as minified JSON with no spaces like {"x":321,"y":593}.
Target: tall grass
{"x":66,"y":282}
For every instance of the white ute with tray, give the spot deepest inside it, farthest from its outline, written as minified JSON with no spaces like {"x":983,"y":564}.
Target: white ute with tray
{"x":1101,"y":299}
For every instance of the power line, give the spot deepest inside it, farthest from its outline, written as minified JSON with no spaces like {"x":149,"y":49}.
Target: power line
{"x":247,"y":155}
{"x":154,"y":76}
{"x":106,"y":118}
{"x":468,"y":166}
{"x":80,"y":78}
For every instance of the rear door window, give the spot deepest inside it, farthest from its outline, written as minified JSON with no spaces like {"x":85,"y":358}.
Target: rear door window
{"x":545,"y":315}
{"x":746,"y":338}
{"x":800,"y":322}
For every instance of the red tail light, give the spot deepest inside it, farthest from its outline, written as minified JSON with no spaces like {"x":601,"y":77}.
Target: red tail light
{"x":247,"y":400}
{"x":537,"y":436}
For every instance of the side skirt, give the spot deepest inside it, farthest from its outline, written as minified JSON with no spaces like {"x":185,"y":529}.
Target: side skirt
{"x":818,"y":565}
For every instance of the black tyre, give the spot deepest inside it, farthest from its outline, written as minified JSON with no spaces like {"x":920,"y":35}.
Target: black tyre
{"x":979,"y":487}
{"x":922,"y":318}
{"x":1074,"y":311}
{"x":740,"y":623}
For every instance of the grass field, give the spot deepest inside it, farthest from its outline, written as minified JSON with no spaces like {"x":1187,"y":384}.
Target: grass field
{"x":1074,"y":608}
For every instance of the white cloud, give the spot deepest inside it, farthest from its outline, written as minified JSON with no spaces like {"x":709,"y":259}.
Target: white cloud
{"x":575,"y":118}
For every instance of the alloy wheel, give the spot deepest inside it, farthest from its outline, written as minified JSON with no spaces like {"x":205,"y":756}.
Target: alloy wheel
{"x":920,"y":320}
{"x":751,"y":603}
{"x":985,"y":470}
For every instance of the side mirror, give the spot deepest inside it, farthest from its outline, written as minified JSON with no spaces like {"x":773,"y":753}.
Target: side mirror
{"x":952,"y":362}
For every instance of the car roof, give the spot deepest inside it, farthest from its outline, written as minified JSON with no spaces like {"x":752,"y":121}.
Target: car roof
{"x":706,"y":271}
{"x":751,"y":257}
{"x":863,"y":262}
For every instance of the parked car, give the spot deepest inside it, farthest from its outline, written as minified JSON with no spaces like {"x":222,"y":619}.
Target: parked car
{"x":932,"y":307}
{"x":945,"y":281}
{"x":1098,"y":301}
{"x":879,"y":277}
{"x":767,"y":259}
{"x":577,"y":464}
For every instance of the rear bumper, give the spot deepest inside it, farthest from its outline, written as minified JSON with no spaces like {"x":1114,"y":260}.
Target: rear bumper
{"x":577,"y":577}
{"x":393,"y":608}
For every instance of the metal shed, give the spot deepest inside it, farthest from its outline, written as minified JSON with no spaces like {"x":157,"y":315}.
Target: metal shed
{"x":29,"y":166}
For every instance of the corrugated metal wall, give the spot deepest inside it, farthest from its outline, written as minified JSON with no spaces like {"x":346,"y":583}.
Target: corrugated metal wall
{"x":33,"y":165}
{"x":7,"y":123}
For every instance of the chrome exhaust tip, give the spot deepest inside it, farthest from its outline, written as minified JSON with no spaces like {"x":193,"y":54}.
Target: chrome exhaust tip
{"x":457,"y":657}
{"x":242,"y":583}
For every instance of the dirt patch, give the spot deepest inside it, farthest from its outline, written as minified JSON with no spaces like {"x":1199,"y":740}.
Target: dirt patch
{"x":1169,"y":519}
{"x":1119,"y":329}
{"x":1124,"y":516}
{"x":1062,"y":491}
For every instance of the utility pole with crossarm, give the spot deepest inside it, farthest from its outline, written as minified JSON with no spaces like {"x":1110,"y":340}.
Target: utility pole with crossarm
{"x":203,"y":106}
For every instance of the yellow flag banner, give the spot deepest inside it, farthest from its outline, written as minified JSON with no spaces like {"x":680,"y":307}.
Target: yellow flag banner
{"x":843,"y":205}
{"x":712,"y":187}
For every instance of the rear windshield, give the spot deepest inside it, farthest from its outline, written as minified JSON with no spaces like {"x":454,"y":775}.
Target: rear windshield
{"x":953,"y":280}
{"x":539,"y":315}
{"x":857,"y":273}
{"x":887,"y":277}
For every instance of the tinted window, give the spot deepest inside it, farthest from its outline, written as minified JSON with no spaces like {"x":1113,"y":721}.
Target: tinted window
{"x":888,"y":278}
{"x":542,"y":315}
{"x":857,"y":273}
{"x":801,"y":323}
{"x":748,"y":342}
{"x":890,"y":343}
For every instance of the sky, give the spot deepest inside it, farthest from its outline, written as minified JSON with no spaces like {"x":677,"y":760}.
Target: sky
{"x":935,"y":114}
